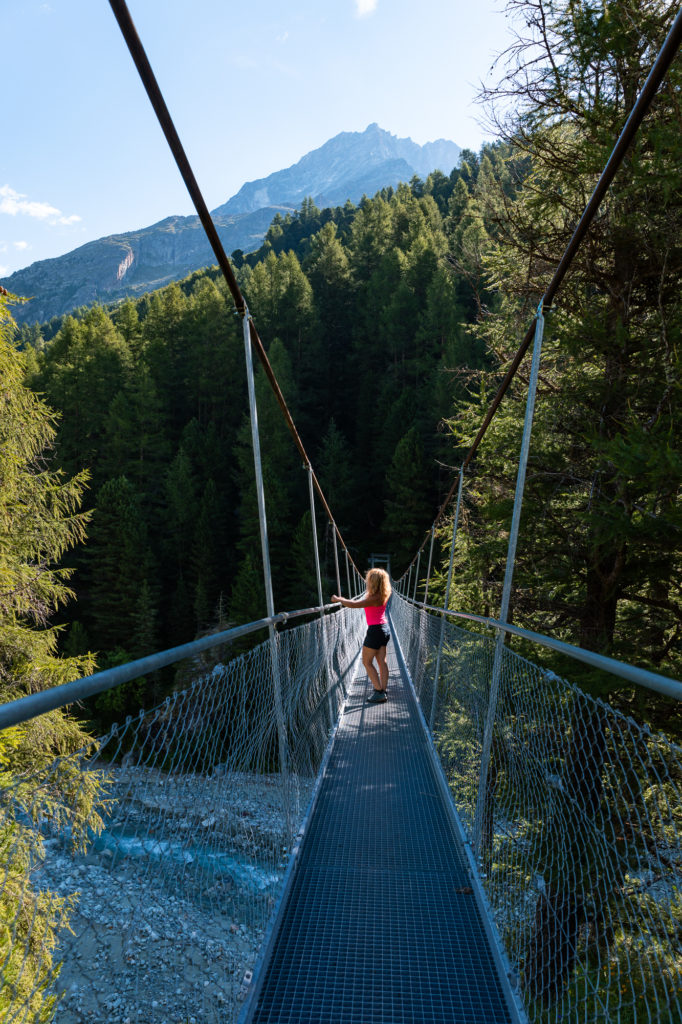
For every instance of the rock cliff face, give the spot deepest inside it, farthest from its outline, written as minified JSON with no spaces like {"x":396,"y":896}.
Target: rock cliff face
{"x":349,"y":166}
{"x":130,"y":264}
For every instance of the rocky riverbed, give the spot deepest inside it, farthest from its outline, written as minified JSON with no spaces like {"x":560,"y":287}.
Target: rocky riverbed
{"x":173,"y":898}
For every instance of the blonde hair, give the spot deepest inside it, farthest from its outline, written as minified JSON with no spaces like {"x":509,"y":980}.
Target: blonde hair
{"x":378,"y":584}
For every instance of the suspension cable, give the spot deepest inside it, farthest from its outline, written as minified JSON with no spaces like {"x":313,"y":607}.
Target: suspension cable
{"x":141,"y":61}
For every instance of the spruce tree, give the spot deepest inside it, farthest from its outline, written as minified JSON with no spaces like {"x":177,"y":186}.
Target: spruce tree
{"x":598,"y":561}
{"x":301,"y":577}
{"x":39,"y":522}
{"x":605,"y":463}
{"x":119,"y":564}
{"x":205,"y":559}
{"x":408,"y":509}
{"x":336,"y":476}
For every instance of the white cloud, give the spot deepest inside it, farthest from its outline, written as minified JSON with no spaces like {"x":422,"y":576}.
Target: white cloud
{"x":21,"y":245}
{"x":4,"y":271}
{"x":13,"y":203}
{"x":365,"y":7}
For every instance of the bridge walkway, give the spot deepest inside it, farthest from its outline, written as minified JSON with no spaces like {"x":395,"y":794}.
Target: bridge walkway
{"x":380,"y":922}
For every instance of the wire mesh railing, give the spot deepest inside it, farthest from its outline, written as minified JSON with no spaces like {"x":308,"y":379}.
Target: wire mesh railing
{"x":138,"y":876}
{"x":581,"y":849}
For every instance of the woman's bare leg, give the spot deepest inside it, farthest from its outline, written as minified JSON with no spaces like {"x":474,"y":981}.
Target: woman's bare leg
{"x":383,"y":669}
{"x":368,"y":655}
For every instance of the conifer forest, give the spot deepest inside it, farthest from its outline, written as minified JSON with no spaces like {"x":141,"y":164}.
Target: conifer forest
{"x":128,"y":507}
{"x":129,"y":510}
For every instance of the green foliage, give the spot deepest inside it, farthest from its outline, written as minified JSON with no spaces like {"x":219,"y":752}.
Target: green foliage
{"x":408,"y":510}
{"x":41,"y":776}
{"x":362,"y":311}
{"x":119,"y":562}
{"x":599,"y":557}
{"x":301,"y":578}
{"x":336,"y":475}
{"x":248,"y":598}
{"x":598,"y":562}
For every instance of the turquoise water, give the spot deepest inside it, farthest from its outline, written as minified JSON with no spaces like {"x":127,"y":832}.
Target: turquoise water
{"x":245,"y":874}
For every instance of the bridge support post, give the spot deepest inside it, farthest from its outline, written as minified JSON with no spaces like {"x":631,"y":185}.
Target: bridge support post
{"x":415,"y":643}
{"x":416,"y":576}
{"x":481,"y":802}
{"x":320,"y":599}
{"x":350,"y":592}
{"x":436,"y":678}
{"x":428,"y":571}
{"x":267,"y":574}
{"x":336,"y":561}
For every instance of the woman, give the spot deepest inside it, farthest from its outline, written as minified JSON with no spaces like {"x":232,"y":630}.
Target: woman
{"x":374,"y":601}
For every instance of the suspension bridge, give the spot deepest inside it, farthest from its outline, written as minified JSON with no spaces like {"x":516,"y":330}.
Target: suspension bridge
{"x":490,"y":845}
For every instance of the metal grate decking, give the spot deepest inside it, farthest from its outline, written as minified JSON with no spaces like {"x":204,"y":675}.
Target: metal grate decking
{"x":380,"y":924}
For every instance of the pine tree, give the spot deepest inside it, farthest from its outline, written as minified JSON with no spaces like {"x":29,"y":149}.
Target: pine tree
{"x":119,"y":564}
{"x":247,"y":602}
{"x":127,"y":323}
{"x":166,"y":340}
{"x":329,"y":272}
{"x":81,"y":372}
{"x":181,"y":510}
{"x":605,"y":465}
{"x":335,"y":473}
{"x":408,"y":509}
{"x":135,"y":441}
{"x":301,"y":575}
{"x":281,"y":301}
{"x":599,"y":557}
{"x":284,"y":480}
{"x":205,"y":558}
{"x":39,"y":521}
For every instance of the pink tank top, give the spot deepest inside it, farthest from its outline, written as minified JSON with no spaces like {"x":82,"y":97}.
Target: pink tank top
{"x":375,"y":614}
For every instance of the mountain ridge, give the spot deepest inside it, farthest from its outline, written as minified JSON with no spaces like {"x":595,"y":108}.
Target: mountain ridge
{"x":374,"y":145}
{"x":347,"y":166}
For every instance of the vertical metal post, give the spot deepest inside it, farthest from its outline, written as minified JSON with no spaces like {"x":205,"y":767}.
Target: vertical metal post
{"x":320,"y":599}
{"x":336,"y":561}
{"x":267,"y":573}
{"x":414,"y":648}
{"x":508,"y":577}
{"x":436,"y":677}
{"x":409,"y":581}
{"x":428,"y":571}
{"x":350,"y":591}
{"x":315,"y":547}
{"x":416,"y":576}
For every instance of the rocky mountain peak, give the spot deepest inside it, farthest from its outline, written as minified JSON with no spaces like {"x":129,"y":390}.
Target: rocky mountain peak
{"x":347,"y":166}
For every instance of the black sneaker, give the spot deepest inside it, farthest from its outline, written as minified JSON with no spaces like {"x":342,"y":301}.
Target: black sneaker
{"x":377,"y":697}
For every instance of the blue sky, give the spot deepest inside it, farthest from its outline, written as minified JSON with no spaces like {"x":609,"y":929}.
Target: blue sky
{"x":252,"y":86}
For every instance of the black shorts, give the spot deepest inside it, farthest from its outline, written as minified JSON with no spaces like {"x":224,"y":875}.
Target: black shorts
{"x":377,"y":636}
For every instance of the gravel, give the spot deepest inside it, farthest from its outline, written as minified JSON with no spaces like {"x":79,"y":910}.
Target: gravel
{"x":173,"y":900}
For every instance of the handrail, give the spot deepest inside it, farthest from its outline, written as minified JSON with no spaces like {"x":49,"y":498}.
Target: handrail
{"x":640,"y":676}
{"x":25,"y":708}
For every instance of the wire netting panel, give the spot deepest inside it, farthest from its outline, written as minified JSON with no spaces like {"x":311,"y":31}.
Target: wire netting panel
{"x":580,"y":838}
{"x":157,"y":855}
